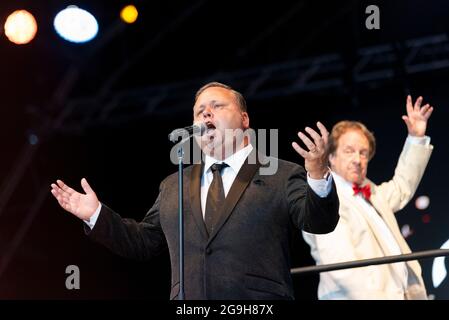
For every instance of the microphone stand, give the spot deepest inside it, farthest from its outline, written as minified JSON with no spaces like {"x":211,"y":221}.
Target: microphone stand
{"x":181,"y":222}
{"x":185,"y":134}
{"x":180,"y":155}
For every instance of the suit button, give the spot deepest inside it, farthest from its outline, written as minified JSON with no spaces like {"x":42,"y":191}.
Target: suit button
{"x":208,"y":251}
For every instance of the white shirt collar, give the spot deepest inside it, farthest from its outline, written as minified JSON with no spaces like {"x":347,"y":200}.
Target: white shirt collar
{"x":234,"y":161}
{"x":340,"y":181}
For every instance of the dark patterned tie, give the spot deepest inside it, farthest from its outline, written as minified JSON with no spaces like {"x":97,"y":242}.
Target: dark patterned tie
{"x":215,"y":197}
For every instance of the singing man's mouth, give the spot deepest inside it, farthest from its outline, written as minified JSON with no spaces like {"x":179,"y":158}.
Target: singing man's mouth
{"x":210,"y":127}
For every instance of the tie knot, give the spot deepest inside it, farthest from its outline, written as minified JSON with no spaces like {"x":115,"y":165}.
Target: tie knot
{"x":218,"y":167}
{"x":365,"y":190}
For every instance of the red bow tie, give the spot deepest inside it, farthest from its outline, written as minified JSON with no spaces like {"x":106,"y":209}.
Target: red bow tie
{"x":365,"y":190}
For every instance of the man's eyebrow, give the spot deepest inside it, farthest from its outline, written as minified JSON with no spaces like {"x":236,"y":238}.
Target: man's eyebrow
{"x":202,"y":106}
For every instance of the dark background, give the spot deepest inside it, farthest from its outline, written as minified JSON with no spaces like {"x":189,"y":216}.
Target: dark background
{"x":102,"y":110}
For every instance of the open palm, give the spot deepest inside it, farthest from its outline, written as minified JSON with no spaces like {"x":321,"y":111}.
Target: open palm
{"x":81,"y":205}
{"x":417,"y":117}
{"x":314,"y":159}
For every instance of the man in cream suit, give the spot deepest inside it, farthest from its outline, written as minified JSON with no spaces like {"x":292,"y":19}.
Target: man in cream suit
{"x":367,"y":226}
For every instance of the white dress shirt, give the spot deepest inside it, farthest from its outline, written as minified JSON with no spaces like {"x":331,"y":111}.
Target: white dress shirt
{"x":321,"y":187}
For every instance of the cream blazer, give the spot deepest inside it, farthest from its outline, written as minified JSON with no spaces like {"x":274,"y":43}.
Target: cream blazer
{"x":356,"y":237}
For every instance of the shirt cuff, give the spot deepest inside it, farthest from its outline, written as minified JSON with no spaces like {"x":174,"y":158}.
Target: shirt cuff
{"x":425,"y":140}
{"x":322,"y":187}
{"x":93,"y":219}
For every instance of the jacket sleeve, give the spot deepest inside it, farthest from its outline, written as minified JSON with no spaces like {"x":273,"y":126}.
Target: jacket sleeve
{"x":408,"y":173}
{"x":128,"y":238}
{"x":307,"y":210}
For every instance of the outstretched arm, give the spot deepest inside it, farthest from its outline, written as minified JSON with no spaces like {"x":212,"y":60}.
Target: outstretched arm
{"x":316,"y":211}
{"x":125,"y":237}
{"x":413,"y":160}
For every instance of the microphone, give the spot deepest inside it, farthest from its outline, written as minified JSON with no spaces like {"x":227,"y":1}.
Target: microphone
{"x":186,"y":132}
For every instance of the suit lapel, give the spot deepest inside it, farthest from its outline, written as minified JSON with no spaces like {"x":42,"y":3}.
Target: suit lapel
{"x":377,"y":205}
{"x":239,"y":185}
{"x":413,"y":264}
{"x":195,"y":198}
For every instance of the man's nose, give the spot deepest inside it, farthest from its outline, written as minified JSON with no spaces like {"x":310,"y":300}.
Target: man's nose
{"x":207,"y":113}
{"x":356,"y":157}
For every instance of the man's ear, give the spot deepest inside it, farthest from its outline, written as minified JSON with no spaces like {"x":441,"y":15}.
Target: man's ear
{"x":245,"y":120}
{"x":332,"y":160}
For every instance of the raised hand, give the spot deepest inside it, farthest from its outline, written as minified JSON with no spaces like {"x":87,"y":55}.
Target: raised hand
{"x":81,"y":205}
{"x":315,"y":161}
{"x":417,"y":116}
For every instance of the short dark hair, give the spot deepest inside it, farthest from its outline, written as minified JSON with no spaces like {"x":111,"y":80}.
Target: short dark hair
{"x":344,"y":126}
{"x":238,"y":96}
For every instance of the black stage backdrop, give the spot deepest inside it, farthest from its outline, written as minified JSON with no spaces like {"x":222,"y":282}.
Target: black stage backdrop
{"x":182,"y":46}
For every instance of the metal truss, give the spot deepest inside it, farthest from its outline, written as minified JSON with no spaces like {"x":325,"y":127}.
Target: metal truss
{"x":321,"y":74}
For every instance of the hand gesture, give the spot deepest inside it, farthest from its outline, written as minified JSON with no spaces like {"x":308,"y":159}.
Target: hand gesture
{"x":416,"y":118}
{"x":314,"y":159}
{"x":81,"y":205}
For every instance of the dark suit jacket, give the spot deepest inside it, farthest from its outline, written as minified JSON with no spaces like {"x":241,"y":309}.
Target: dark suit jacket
{"x":247,"y":255}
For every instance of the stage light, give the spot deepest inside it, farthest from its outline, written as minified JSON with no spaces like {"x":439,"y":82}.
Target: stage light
{"x":425,"y":218}
{"x":129,"y":14}
{"x":422,"y":202}
{"x":406,"y":231}
{"x":33,"y":139}
{"x":20,"y":27}
{"x":76,"y":25}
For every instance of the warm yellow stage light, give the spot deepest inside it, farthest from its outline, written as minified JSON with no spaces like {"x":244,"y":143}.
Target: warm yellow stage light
{"x":20,"y":27}
{"x":129,"y":14}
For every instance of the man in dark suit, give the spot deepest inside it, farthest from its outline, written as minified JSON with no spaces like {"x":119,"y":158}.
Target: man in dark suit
{"x":237,"y":220}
